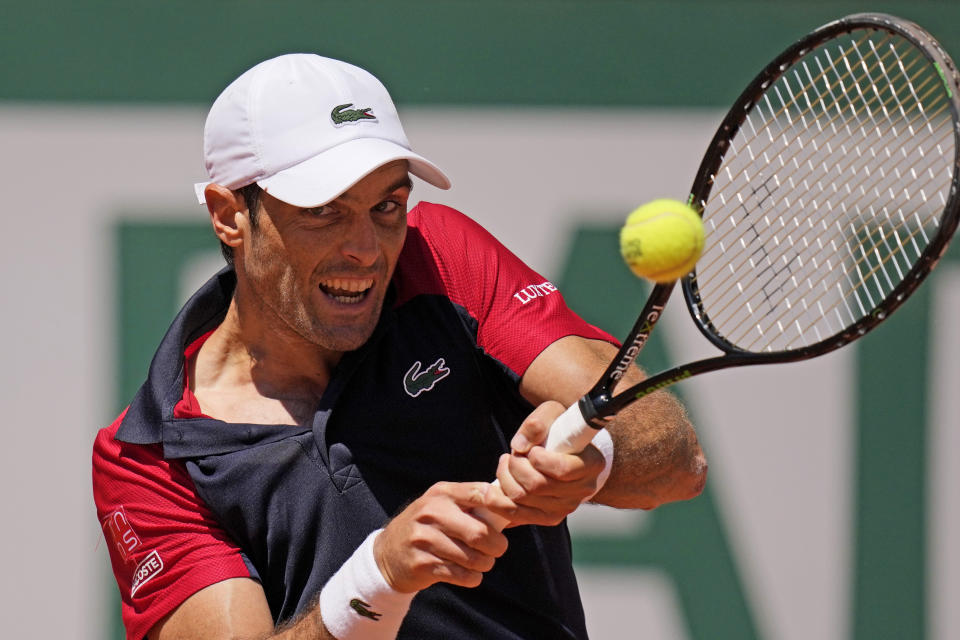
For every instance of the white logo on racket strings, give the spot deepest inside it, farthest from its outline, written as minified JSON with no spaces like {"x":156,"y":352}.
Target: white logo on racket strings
{"x":637,"y":344}
{"x":532,"y":291}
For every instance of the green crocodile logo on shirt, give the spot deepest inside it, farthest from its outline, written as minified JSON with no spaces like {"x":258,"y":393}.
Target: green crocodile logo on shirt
{"x":416,"y":382}
{"x":342,"y":114}
{"x":360,"y":607}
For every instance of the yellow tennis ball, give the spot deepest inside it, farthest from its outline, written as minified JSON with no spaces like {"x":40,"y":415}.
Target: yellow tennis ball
{"x":662,"y":240}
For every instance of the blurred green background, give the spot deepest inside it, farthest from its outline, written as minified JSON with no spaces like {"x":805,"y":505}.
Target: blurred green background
{"x":434,"y":52}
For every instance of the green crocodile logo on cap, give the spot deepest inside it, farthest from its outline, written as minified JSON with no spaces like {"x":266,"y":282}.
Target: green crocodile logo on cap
{"x":342,"y":114}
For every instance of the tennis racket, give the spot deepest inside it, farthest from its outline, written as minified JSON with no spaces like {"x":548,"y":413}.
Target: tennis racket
{"x":828,"y":194}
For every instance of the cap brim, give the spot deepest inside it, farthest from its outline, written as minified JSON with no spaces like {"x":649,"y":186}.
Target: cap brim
{"x":324,"y":177}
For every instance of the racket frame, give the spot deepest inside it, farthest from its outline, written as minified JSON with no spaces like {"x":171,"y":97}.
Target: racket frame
{"x":599,"y":404}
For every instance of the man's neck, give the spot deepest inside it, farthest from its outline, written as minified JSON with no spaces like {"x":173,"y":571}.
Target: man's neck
{"x":252,"y":373}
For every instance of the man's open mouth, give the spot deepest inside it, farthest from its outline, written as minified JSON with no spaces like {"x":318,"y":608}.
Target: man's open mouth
{"x":347,"y":290}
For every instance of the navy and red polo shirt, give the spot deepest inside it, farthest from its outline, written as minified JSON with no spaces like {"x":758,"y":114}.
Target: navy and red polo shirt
{"x":187,"y":500}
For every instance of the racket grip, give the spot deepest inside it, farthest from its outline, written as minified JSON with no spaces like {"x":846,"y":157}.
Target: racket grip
{"x":569,"y":433}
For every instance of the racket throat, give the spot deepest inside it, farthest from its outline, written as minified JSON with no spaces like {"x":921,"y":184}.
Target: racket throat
{"x":590,"y":415}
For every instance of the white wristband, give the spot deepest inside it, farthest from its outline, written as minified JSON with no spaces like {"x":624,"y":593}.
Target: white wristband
{"x":357,"y":602}
{"x":604,"y":443}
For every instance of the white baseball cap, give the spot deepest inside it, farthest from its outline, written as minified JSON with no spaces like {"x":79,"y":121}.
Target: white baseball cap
{"x":305,"y":128}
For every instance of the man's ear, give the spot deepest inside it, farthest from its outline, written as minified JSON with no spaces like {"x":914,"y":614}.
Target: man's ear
{"x":228,"y":213}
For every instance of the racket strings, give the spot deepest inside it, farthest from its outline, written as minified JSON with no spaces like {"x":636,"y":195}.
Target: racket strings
{"x":849,"y":160}
{"x":733,"y":269}
{"x":858,"y":291}
{"x":774,"y":118}
{"x":867,"y":263}
{"x":798,"y":182}
{"x":776,"y":114}
{"x":784,"y":110}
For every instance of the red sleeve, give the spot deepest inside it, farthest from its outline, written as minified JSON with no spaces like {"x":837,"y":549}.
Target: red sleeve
{"x":163,"y":541}
{"x":518,"y":311}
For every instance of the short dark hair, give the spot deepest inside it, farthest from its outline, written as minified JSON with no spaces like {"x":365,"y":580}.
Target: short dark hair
{"x":251,"y":198}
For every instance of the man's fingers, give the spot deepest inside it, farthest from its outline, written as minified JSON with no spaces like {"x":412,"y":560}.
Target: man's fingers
{"x":516,"y":476}
{"x":452,"y":550}
{"x":457,"y":575}
{"x":540,"y":470}
{"x":546,"y":485}
{"x":467,"y":557}
{"x":534,"y":515}
{"x":428,"y":563}
{"x":438,"y":538}
{"x":566,"y":467}
{"x":466,"y":494}
{"x":533,"y":430}
{"x":455,"y":519}
{"x":497,"y":501}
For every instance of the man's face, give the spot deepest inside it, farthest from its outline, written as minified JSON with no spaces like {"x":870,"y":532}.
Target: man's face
{"x":323,"y":273}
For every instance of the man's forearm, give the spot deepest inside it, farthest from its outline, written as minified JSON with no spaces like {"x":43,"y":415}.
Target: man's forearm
{"x":657,"y":458}
{"x":309,"y":626}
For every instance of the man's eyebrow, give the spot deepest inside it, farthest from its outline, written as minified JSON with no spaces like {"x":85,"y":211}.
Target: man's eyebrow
{"x":402,"y":182}
{"x":398,"y":184}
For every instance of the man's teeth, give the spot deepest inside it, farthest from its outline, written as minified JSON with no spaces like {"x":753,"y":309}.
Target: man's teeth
{"x":351,"y":285}
{"x":346,"y":289}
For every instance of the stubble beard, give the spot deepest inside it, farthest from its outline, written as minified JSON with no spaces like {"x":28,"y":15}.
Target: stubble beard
{"x":341,"y":338}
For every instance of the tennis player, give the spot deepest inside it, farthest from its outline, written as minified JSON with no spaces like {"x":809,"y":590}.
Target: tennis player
{"x":319,"y":425}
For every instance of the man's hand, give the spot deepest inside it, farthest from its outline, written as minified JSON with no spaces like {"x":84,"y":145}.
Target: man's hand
{"x":545,"y":486}
{"x":437,"y":539}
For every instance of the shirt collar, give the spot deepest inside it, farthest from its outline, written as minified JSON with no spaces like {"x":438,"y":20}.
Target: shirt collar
{"x":153,"y":404}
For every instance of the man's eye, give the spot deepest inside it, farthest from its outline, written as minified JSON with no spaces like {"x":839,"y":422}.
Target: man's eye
{"x":319,"y":211}
{"x":387,"y":206}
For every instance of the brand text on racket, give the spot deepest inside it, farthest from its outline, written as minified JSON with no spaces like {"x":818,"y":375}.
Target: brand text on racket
{"x":638,"y":342}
